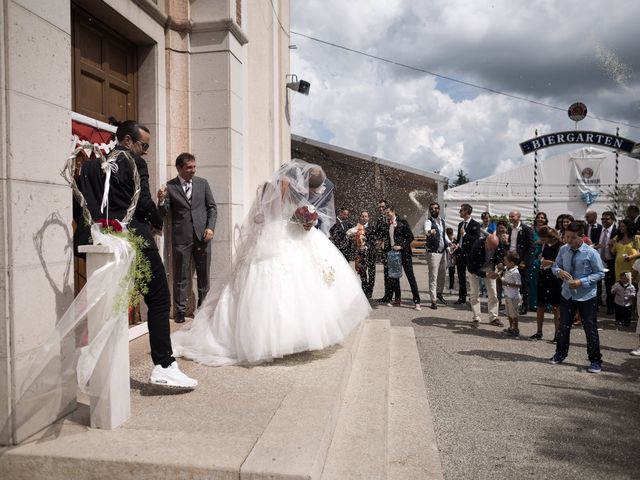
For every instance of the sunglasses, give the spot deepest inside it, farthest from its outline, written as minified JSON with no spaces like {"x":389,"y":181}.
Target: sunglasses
{"x":145,"y":146}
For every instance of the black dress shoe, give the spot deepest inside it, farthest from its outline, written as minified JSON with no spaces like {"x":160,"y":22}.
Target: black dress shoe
{"x":523,"y":310}
{"x":383,"y":300}
{"x":179,"y":318}
{"x":441,"y":299}
{"x":434,"y":306}
{"x":459,"y":302}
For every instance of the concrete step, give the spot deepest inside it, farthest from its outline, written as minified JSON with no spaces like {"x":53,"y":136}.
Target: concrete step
{"x":359,"y":445}
{"x":356,"y":411}
{"x":273,"y":421}
{"x":295,"y":443}
{"x":413,"y":451}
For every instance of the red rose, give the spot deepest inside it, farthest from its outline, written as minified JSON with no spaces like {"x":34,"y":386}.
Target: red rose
{"x":113,"y":224}
{"x":306,"y":214}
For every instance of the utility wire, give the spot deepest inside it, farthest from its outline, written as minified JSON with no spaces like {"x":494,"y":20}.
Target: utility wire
{"x":452,"y":79}
{"x":278,"y":18}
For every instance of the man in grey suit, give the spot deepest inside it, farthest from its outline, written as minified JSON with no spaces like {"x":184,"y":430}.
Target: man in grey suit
{"x":193,"y":219}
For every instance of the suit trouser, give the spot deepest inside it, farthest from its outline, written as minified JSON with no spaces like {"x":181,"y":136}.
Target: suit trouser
{"x":461,"y":265}
{"x":474,"y":296}
{"x":436,"y":263}
{"x":388,"y":287}
{"x":157,"y":299}
{"x":452,"y":276}
{"x":524,"y":287}
{"x":609,"y":280}
{"x":368,"y":274}
{"x":201,"y":253}
{"x":599,"y":292}
{"x":407,"y":266}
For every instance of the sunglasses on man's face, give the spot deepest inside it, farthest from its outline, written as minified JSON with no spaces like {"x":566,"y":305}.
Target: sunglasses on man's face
{"x":145,"y":146}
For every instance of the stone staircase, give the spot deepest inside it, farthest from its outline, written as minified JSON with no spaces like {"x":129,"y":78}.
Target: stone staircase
{"x":356,"y":411}
{"x":384,"y":430}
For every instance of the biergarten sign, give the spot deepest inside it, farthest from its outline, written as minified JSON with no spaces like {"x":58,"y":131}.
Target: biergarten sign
{"x":578,"y":136}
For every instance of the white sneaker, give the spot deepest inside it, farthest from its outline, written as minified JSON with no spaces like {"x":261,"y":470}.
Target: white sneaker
{"x":171,"y":376}
{"x":418,"y":307}
{"x":635,"y":352}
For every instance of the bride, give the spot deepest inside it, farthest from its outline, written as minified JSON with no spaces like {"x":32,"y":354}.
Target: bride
{"x":288,"y":290}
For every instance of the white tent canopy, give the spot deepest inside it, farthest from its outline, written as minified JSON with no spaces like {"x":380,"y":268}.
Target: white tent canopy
{"x":565,"y":183}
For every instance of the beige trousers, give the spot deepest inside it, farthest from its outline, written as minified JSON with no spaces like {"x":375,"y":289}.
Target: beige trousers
{"x":474,"y":294}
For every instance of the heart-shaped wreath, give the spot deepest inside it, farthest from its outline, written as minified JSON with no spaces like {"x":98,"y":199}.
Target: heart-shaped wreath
{"x":141,"y":268}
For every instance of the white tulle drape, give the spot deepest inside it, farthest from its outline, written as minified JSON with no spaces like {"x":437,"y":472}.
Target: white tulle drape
{"x":67,"y":353}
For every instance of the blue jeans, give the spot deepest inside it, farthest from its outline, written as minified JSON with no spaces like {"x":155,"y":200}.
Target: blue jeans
{"x":588,"y":310}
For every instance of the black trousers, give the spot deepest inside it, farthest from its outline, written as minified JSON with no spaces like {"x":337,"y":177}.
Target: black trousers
{"x":524,"y":287}
{"x":407,"y":266}
{"x":452,"y":276}
{"x":461,"y":265}
{"x":388,"y":289}
{"x":368,"y":273}
{"x":609,"y":280}
{"x":588,"y":313}
{"x":157,"y":299}
{"x":623,"y":314}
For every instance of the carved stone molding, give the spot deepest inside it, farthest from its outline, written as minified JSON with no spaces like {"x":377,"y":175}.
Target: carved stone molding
{"x":224,"y":24}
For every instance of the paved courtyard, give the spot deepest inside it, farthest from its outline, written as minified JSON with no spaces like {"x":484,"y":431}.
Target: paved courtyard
{"x":501,"y":411}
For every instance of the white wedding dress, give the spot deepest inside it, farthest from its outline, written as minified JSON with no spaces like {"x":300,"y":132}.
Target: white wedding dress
{"x":289,"y":290}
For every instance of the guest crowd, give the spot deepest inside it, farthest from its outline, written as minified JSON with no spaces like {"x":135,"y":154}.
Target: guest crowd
{"x":571,"y":269}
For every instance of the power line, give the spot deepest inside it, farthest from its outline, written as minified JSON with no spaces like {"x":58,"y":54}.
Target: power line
{"x":278,"y":18}
{"x":452,"y":79}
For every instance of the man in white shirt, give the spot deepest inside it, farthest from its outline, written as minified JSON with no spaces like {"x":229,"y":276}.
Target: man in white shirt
{"x":190,"y":203}
{"x":608,"y":260}
{"x":593,"y":227}
{"x":435,"y":245}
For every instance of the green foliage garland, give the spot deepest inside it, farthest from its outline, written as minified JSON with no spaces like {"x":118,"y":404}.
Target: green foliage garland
{"x":140,"y":270}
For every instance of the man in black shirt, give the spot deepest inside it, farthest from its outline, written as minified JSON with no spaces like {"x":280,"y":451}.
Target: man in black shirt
{"x":133,"y":142}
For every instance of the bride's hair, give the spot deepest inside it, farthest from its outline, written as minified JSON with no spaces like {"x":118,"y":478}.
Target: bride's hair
{"x":316,"y":176}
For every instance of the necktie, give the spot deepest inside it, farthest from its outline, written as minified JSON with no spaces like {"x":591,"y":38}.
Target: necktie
{"x":187,"y":190}
{"x":573,"y":263}
{"x":604,"y":243}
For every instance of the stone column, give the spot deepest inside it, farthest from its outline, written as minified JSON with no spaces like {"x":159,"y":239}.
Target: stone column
{"x":35,"y":202}
{"x":216,"y":85}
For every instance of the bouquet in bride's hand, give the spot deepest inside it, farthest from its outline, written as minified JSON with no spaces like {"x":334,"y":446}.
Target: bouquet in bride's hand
{"x":307,"y":216}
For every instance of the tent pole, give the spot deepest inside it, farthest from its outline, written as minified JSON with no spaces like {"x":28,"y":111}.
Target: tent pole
{"x":616,"y":206}
{"x":535,"y":181}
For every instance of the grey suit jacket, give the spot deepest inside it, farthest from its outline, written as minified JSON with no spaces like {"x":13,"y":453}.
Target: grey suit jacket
{"x":187,"y":218}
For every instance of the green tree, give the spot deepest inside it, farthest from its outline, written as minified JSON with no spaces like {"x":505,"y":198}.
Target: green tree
{"x":627,"y":195}
{"x":461,"y":179}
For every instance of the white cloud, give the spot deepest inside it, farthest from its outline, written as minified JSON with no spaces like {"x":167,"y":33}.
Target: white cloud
{"x":532,"y":49}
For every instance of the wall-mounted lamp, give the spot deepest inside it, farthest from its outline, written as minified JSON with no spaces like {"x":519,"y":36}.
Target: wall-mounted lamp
{"x":300,"y":86}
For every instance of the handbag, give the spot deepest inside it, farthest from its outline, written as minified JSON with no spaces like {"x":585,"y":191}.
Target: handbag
{"x":394,"y":264}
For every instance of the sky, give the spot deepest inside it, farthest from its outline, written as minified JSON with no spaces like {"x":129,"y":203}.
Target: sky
{"x":548,"y":51}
